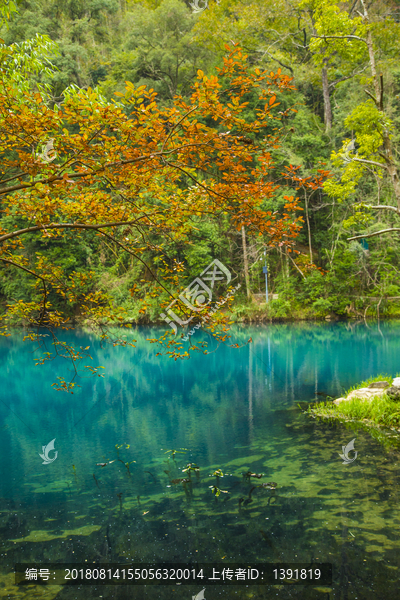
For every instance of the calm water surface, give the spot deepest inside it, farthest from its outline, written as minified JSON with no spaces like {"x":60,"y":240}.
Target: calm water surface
{"x":234,"y":410}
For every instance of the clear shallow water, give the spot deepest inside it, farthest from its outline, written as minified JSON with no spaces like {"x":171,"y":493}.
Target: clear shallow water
{"x":234,"y":409}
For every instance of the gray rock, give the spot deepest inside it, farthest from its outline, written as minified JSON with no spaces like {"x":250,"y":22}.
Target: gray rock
{"x":366,"y":393}
{"x":396,"y":382}
{"x":393,"y":393}
{"x":377,"y":388}
{"x":339,"y":400}
{"x":379,"y":385}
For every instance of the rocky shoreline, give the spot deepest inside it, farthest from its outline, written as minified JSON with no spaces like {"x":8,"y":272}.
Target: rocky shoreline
{"x":375,"y":389}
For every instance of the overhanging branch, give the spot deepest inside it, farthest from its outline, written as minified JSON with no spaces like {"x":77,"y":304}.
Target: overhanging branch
{"x":95,"y":226}
{"x":103,"y":169}
{"x":14,"y":264}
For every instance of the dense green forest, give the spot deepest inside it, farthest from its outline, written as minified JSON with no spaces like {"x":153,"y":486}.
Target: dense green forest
{"x":344,"y":63}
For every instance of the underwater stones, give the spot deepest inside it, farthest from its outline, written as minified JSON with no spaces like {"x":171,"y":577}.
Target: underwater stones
{"x":396,"y":382}
{"x":393,"y":393}
{"x":376,"y":385}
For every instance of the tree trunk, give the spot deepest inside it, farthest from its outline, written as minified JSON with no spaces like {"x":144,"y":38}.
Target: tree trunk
{"x":246,"y":263}
{"x":371,"y":54}
{"x":327,"y":99}
{"x":394,"y":176}
{"x":308,"y":228}
{"x":378,"y":88}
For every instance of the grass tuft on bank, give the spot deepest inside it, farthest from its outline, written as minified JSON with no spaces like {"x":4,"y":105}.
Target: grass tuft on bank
{"x":368,"y":382}
{"x":379,"y":411}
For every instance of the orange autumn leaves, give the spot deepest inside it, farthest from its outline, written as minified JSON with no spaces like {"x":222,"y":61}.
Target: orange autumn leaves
{"x":136,"y":174}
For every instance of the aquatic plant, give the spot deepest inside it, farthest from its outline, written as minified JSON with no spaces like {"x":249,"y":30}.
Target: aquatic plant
{"x":191,"y":467}
{"x":247,"y":476}
{"x":126,"y":464}
{"x":119,"y":446}
{"x":250,"y":493}
{"x":97,"y":483}
{"x":217,"y":491}
{"x":217,"y":474}
{"x":104,"y":464}
{"x":74,"y":471}
{"x":173,"y":452}
{"x":267,"y":538}
{"x":188,"y":492}
{"x":151,"y":474}
{"x":270,"y":485}
{"x":180,"y":480}
{"x":119,"y":496}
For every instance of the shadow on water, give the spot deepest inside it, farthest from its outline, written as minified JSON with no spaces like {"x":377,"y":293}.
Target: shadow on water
{"x":122,"y":489}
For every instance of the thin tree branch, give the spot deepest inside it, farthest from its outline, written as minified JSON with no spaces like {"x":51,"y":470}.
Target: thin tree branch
{"x":10,"y":262}
{"x":369,"y":162}
{"x":384,"y":207}
{"x":334,"y":83}
{"x":102,"y":169}
{"x":367,"y":235}
{"x":279,"y":62}
{"x":14,"y":234}
{"x":371,"y":96}
{"x":110,"y":237}
{"x":176,"y":126}
{"x":340,"y":37}
{"x":42,"y":279}
{"x":298,"y":268}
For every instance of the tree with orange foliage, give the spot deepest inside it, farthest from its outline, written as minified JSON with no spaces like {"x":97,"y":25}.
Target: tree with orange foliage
{"x":126,"y":170}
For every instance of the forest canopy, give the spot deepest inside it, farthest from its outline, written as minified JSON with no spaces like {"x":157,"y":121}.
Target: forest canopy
{"x":143,"y":140}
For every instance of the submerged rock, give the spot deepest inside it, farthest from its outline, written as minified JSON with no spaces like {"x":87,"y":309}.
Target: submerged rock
{"x":396,"y":382}
{"x":379,"y":385}
{"x":366,"y":393}
{"x":393,"y":393}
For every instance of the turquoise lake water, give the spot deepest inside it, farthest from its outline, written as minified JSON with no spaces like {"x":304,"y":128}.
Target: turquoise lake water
{"x":233,"y":409}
